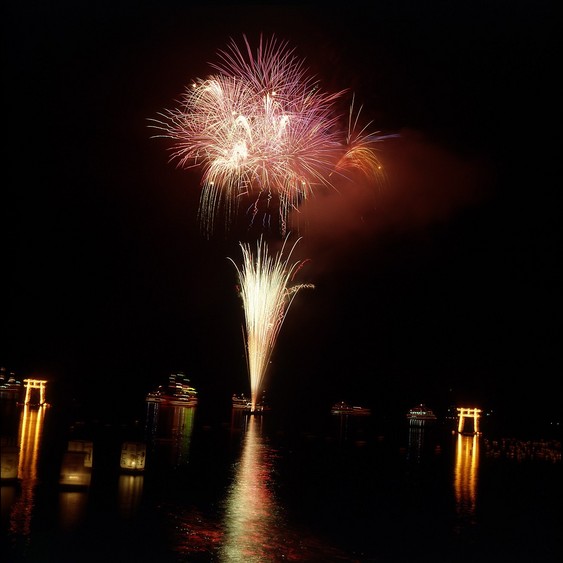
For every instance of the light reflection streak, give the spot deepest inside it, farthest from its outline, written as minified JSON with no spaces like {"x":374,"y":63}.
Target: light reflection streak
{"x":416,"y":443}
{"x":465,"y":475}
{"x":72,"y":508}
{"x":29,"y":436}
{"x":252,"y":517}
{"x":130,"y":491}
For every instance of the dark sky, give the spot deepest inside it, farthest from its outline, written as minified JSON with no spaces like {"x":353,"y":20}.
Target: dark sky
{"x":438,"y":283}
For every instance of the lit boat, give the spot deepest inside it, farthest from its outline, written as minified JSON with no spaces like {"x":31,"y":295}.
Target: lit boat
{"x":240,"y":402}
{"x":345,"y":408}
{"x":10,"y":387}
{"x":178,"y":392}
{"x":421,"y":413}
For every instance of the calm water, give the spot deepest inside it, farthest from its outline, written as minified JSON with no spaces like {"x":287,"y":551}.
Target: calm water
{"x":219,"y":486}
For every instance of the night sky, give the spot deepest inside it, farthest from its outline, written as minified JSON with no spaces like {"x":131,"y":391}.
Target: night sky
{"x":438,"y":284}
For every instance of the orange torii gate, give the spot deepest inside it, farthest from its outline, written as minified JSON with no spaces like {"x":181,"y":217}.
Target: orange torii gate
{"x":465,"y":413}
{"x":30,"y":384}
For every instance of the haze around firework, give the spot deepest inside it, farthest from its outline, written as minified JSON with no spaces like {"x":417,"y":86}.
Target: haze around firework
{"x":267,"y":296}
{"x":263,"y":132}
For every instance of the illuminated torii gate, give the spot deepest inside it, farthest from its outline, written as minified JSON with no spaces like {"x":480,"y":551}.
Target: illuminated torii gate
{"x":30,"y":384}
{"x":464,"y":413}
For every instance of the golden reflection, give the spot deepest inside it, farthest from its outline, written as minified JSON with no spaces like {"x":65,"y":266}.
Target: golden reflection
{"x":29,"y":436}
{"x":130,"y":490}
{"x":72,"y":508}
{"x":465,"y":474}
{"x":252,"y":517}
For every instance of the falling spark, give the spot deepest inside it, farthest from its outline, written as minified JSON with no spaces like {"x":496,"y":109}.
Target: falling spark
{"x":261,"y":128}
{"x":266,"y":298}
{"x":360,"y":154}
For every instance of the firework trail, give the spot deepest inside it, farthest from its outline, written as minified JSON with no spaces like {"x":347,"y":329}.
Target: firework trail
{"x":261,"y":129}
{"x":266,"y":298}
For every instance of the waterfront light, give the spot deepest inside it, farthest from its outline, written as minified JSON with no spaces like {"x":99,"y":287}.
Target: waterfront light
{"x":74,"y":472}
{"x":133,"y":456}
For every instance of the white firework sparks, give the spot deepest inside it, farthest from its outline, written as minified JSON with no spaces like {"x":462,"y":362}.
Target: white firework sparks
{"x":266,"y":295}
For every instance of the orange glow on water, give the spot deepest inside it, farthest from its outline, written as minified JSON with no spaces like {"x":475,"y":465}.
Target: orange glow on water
{"x":251,"y":514}
{"x":29,"y":438}
{"x":130,"y":492}
{"x":465,"y":474}
{"x":72,"y":508}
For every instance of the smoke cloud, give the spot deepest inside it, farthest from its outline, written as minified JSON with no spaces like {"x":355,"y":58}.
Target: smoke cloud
{"x":423,"y":184}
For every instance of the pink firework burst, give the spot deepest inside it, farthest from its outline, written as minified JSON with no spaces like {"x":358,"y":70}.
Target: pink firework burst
{"x":260,"y":128}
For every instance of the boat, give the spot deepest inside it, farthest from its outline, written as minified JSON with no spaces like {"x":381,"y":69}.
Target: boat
{"x":421,"y":414}
{"x":241,"y":402}
{"x":178,"y":392}
{"x":345,"y":408}
{"x":10,"y":387}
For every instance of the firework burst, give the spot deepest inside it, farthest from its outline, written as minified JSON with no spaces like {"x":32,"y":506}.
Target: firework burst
{"x":266,"y":295}
{"x":260,"y":128}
